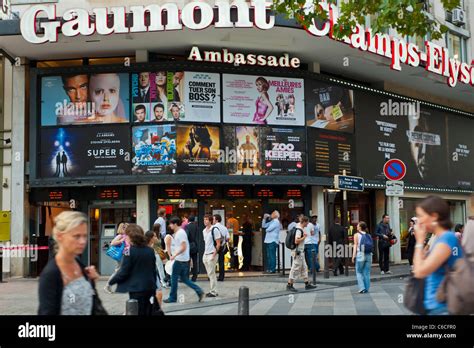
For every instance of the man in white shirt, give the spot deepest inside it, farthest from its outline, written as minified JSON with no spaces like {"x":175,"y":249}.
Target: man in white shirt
{"x":312,"y":242}
{"x":180,"y":256}
{"x":225,"y":236}
{"x":161,"y":220}
{"x":212,"y":243}
{"x":299,"y":269}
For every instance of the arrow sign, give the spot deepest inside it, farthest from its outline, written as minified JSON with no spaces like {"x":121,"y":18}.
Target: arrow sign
{"x":394,"y":169}
{"x":349,"y":183}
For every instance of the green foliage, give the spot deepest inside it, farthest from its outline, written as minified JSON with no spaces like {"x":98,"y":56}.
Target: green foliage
{"x":407,"y":17}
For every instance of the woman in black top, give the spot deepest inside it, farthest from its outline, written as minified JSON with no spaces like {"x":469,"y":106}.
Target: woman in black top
{"x":66,"y":287}
{"x":137,"y":274}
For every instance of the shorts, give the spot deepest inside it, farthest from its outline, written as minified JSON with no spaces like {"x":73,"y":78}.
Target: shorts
{"x":247,"y":164}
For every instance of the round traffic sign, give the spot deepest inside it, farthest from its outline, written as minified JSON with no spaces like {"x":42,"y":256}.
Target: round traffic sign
{"x":394,"y":169}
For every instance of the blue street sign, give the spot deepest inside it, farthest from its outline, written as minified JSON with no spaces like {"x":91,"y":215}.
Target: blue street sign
{"x":349,"y":183}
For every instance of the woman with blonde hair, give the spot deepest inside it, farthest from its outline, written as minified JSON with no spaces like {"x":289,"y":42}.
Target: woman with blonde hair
{"x":120,"y":238}
{"x":66,"y":286}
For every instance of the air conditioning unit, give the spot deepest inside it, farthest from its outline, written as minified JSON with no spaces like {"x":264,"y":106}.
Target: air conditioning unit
{"x":459,"y":16}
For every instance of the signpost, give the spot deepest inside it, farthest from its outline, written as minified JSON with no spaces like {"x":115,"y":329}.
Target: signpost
{"x":348,"y":183}
{"x":394,"y":188}
{"x":395,"y":169}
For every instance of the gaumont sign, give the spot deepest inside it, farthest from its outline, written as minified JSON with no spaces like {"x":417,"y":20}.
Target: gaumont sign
{"x":77,"y":21}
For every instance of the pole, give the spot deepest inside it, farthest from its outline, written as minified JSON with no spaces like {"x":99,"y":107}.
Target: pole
{"x":278,"y":252}
{"x":131,"y":307}
{"x":313,"y":256}
{"x":344,"y":216}
{"x":243,"y":300}
{"x":283,"y":258}
{"x":1,"y":265}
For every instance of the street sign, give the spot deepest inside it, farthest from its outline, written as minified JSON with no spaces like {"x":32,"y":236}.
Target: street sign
{"x":394,"y":188}
{"x":348,"y":183}
{"x":394,"y":169}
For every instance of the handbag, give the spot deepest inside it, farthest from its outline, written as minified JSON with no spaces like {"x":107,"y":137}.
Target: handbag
{"x":163,"y":256}
{"x":116,"y":251}
{"x":97,"y":307}
{"x":415,"y":295}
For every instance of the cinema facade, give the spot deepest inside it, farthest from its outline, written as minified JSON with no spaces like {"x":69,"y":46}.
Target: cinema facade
{"x":203,"y":113}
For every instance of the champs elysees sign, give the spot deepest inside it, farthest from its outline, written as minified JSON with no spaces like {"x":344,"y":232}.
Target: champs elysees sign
{"x":79,"y":21}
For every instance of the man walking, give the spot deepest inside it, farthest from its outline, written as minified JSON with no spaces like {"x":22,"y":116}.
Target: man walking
{"x":212,"y":243}
{"x":217,"y":219}
{"x":337,"y":236}
{"x":180,"y":256}
{"x":272,"y":237}
{"x":161,"y":220}
{"x":192,"y":232}
{"x":299,"y":269}
{"x":311,"y":243}
{"x":383,"y":232}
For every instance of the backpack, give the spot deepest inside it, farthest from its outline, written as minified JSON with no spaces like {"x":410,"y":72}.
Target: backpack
{"x":290,"y":238}
{"x":457,"y":287}
{"x":366,"y":244}
{"x":224,"y":247}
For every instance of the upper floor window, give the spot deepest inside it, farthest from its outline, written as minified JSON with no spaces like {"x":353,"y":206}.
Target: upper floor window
{"x":456,"y":45}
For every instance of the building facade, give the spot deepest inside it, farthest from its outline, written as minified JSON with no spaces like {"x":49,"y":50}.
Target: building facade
{"x":243,"y":116}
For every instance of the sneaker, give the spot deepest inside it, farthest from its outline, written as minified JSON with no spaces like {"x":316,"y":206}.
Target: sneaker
{"x":201,"y":296}
{"x":108,"y":289}
{"x":361,"y":291}
{"x":382,"y":273}
{"x":388,"y":272}
{"x":365,"y":291}
{"x":310,"y":286}
{"x":211,"y":295}
{"x":291,"y":288}
{"x":168,"y":301}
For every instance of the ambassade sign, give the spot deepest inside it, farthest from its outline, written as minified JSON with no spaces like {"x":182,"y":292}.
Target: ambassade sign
{"x":77,"y":21}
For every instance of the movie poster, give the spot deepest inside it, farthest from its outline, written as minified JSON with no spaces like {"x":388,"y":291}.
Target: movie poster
{"x":198,"y":149}
{"x":329,"y":107}
{"x":460,"y":151}
{"x":154,"y":149}
{"x":175,"y":90}
{"x":392,"y":129}
{"x":85,"y":99}
{"x":149,"y":96}
{"x":330,"y":153}
{"x":79,"y":152}
{"x":263,"y":100}
{"x":242,"y":155}
{"x":284,"y":151}
{"x":202,"y":97}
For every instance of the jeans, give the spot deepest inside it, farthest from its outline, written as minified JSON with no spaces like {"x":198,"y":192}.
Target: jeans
{"x":363,"y":266}
{"x":210,"y":264}
{"x":308,"y":251}
{"x":221,"y":266}
{"x":181,"y":271}
{"x":384,"y":257}
{"x":271,"y":256}
{"x":194,"y":258}
{"x":161,"y":269}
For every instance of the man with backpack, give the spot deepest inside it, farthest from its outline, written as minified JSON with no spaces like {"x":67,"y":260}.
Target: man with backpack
{"x":212,"y":244}
{"x":224,"y":232}
{"x":295,"y":241}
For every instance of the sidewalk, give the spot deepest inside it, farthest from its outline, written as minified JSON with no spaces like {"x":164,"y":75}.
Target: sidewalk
{"x":20,"y":296}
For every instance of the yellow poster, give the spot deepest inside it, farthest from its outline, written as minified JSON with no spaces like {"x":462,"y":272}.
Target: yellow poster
{"x":5,"y":226}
